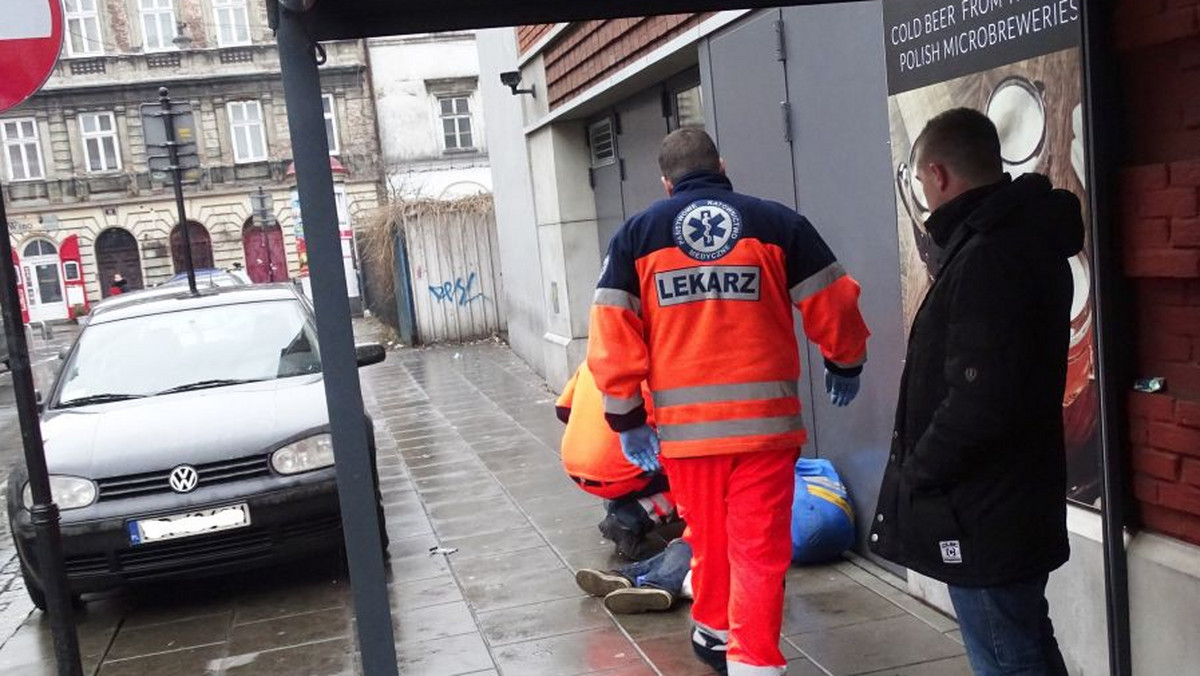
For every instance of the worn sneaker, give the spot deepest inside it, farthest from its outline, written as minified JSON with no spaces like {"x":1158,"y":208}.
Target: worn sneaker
{"x":599,"y":583}
{"x":710,"y":650}
{"x":636,"y":600}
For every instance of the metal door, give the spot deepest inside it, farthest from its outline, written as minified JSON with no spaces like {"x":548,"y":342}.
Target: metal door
{"x":643,"y":126}
{"x":836,"y":81}
{"x":745,"y":88}
{"x":605,"y":174}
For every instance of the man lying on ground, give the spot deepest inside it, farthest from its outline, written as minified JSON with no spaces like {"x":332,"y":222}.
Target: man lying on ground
{"x":822,"y":529}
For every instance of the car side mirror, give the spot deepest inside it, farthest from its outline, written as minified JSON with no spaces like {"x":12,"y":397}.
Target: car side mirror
{"x":371,"y":353}
{"x":62,"y":354}
{"x":41,"y":401}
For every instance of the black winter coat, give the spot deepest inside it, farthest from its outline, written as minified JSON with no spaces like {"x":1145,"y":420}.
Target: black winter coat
{"x":974,"y":491}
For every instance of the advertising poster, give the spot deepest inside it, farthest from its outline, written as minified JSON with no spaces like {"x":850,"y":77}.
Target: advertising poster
{"x":1020,"y":62}
{"x":301,"y":243}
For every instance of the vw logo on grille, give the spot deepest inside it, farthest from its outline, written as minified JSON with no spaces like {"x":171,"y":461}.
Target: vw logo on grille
{"x":184,"y":479}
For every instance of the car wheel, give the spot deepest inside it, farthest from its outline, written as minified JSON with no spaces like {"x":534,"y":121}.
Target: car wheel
{"x":35,"y":592}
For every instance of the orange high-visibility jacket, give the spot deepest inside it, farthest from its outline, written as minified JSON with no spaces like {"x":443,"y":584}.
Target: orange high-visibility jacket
{"x":590,"y":449}
{"x":696,"y":297}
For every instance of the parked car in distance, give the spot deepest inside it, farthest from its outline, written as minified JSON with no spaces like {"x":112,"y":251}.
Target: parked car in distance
{"x":188,"y":435}
{"x":206,"y":278}
{"x":211,"y":277}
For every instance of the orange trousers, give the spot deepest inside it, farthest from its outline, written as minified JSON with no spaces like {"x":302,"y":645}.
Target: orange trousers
{"x":739,"y":513}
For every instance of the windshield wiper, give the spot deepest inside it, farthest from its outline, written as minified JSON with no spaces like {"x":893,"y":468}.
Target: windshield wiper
{"x":206,"y":384}
{"x":98,"y":399}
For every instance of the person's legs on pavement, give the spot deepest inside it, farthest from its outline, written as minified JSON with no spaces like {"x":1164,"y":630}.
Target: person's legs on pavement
{"x":601,"y":583}
{"x":1006,"y":629}
{"x":657,"y":582}
{"x":700,"y":486}
{"x":759,"y":501}
{"x":670,"y":568}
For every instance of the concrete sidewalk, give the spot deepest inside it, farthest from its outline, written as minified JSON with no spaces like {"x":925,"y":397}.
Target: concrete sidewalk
{"x":476,"y":469}
{"x":468,"y":460}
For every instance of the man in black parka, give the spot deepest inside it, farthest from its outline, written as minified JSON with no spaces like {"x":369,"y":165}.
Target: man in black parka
{"x":974,"y":491}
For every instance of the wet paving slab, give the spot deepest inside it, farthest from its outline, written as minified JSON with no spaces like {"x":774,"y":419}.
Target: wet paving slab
{"x":467,"y":444}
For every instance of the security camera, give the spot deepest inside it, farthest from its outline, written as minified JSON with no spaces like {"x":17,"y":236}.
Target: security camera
{"x":512,"y":80}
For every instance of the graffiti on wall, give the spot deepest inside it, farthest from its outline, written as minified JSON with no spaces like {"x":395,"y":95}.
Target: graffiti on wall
{"x":457,"y":292}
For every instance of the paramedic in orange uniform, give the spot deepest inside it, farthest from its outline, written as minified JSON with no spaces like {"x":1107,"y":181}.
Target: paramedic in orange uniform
{"x":636,"y":501}
{"x":696,"y":298}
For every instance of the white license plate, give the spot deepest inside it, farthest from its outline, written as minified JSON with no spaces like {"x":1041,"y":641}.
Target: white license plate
{"x":200,"y":522}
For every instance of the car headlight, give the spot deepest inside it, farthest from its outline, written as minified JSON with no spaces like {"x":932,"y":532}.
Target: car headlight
{"x":68,"y":492}
{"x":305,"y":455}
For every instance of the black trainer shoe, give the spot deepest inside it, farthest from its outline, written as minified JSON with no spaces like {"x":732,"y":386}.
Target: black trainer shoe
{"x":710,"y":650}
{"x":599,"y":583}
{"x":639,"y":600}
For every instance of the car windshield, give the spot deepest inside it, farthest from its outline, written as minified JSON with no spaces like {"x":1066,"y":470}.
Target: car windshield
{"x":189,"y":350}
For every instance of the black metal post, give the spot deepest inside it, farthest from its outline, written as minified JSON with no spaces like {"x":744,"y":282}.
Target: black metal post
{"x":44,"y":513}
{"x":343,"y":393}
{"x":177,"y":174}
{"x":1112,"y":377}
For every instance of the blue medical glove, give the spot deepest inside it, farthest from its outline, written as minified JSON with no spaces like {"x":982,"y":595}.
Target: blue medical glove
{"x":640,"y":446}
{"x":842,"y":389}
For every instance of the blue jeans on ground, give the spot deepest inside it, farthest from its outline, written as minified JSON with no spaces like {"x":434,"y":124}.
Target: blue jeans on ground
{"x":1006,"y":629}
{"x":663,"y":571}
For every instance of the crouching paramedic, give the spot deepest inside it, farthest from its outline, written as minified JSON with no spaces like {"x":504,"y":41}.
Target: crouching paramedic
{"x":636,"y":501}
{"x":696,"y":297}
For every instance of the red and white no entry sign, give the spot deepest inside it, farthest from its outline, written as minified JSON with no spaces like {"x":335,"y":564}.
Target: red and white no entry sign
{"x":31,"y":35}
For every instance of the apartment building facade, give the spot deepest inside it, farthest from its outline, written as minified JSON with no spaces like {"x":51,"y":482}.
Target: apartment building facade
{"x":85,"y":204}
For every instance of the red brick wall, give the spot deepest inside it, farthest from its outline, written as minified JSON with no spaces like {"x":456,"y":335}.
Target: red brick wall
{"x":589,"y":51}
{"x":527,"y":36}
{"x":1159,"y":55}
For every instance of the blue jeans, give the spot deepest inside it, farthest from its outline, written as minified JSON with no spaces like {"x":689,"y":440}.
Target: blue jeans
{"x":1006,"y":629}
{"x":665,"y":570}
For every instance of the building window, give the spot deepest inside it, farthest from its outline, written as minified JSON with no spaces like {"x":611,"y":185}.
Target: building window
{"x":22,"y":152}
{"x":158,"y":24}
{"x":331,"y":131}
{"x":689,"y":107}
{"x":233,"y":22}
{"x":100,"y":142}
{"x":83,"y":28}
{"x":602,"y":143}
{"x":249,"y":134}
{"x":456,"y":122}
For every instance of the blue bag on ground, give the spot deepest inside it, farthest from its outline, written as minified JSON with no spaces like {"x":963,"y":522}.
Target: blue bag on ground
{"x":822,"y":518}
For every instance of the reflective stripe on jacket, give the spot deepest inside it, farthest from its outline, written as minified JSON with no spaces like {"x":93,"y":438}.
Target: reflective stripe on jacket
{"x":696,"y":297}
